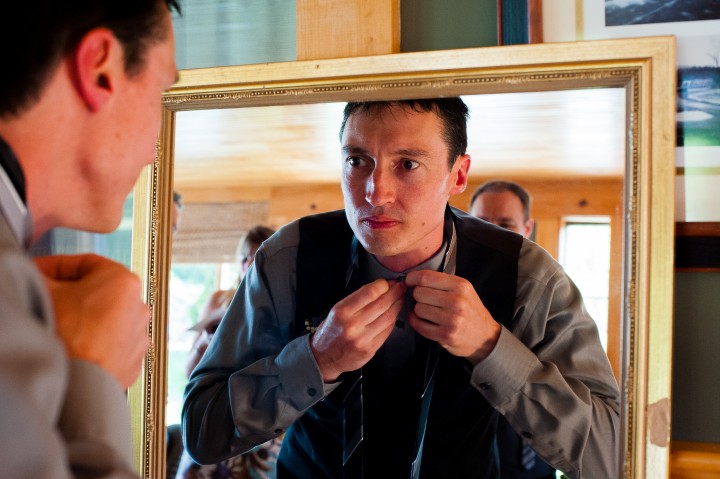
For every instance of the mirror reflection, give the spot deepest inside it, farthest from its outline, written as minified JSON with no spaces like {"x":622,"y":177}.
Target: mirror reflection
{"x":238,"y":168}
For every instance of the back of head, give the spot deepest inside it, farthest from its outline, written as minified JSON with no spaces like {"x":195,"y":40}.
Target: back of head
{"x":36,"y":36}
{"x":177,"y":199}
{"x":176,"y":211}
{"x":452,"y":112}
{"x":250,"y":244}
{"x":254,"y":237}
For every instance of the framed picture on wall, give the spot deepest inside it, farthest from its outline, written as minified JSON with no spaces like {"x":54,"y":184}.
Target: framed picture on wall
{"x":696,"y":24}
{"x":638,"y":18}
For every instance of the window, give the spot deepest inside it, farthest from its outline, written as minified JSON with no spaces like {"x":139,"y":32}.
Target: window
{"x":584,"y":252}
{"x":191,"y":284}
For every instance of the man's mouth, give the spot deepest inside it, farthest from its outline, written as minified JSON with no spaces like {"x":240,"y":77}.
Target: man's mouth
{"x":379,"y":222}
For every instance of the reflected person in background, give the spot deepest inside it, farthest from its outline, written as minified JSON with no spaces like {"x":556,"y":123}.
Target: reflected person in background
{"x":219,"y":301}
{"x":80,"y":110}
{"x":260,"y":462}
{"x":173,"y":437}
{"x":387,"y":338}
{"x":507,"y":204}
{"x":176,"y":214}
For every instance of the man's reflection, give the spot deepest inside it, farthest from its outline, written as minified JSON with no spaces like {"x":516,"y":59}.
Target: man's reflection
{"x":507,"y":204}
{"x":443,"y":320}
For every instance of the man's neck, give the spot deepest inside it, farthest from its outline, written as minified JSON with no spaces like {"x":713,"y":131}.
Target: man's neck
{"x":374,"y":268}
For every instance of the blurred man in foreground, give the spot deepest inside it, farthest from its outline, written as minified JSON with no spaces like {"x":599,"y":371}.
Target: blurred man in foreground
{"x":79,"y":117}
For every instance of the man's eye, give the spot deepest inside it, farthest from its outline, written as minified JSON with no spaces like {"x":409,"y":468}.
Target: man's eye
{"x":410,"y":164}
{"x":353,"y":161}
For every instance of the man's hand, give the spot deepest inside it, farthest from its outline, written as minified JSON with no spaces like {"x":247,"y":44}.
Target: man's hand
{"x":356,"y":328}
{"x":449,"y":311}
{"x":99,"y":313}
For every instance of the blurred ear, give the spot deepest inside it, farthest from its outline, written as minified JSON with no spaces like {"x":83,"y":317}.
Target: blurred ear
{"x":528,"y":227}
{"x":96,"y":62}
{"x":460,"y":173}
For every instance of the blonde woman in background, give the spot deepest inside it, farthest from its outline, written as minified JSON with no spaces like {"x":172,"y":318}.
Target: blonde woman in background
{"x":220,"y":300}
{"x":260,"y":462}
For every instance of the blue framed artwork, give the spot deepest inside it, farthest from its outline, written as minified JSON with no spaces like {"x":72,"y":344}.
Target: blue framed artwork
{"x":696,"y":25}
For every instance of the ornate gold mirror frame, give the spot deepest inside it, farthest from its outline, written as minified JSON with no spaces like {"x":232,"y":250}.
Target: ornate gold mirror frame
{"x":645,"y":67}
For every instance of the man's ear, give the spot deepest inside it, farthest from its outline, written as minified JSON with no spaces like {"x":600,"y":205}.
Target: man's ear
{"x":528,"y":227}
{"x":95,"y":64}
{"x":461,"y":169}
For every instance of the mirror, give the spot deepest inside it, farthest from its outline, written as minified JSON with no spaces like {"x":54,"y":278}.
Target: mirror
{"x":642,"y":68}
{"x":239,"y":167}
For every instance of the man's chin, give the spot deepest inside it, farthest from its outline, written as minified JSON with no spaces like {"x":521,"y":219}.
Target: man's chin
{"x":379,"y":244}
{"x":101,"y":224}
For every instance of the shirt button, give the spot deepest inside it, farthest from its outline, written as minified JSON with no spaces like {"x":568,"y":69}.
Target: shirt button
{"x":312,"y":391}
{"x":484,"y":386}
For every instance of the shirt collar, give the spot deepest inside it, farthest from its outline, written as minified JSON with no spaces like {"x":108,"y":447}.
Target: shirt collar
{"x":12,"y":195}
{"x":370,"y":268}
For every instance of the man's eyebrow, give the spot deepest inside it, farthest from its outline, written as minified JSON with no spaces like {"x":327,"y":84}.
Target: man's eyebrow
{"x":350,"y":149}
{"x":413,"y":152}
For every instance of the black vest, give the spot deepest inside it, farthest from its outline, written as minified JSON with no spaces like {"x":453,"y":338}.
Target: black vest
{"x":459,"y":442}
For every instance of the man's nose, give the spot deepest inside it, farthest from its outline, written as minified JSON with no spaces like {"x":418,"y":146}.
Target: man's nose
{"x":380,"y":188}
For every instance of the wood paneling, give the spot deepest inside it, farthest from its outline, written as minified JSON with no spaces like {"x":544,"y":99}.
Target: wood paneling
{"x":347,"y":28}
{"x":293,"y":202}
{"x":694,"y":460}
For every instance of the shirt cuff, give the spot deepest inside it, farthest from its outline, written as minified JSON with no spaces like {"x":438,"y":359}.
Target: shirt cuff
{"x":95,"y":420}
{"x":504,"y":372}
{"x":300,"y":374}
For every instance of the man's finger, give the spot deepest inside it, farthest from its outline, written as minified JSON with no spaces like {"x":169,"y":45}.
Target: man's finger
{"x":366,"y":295}
{"x":69,"y":267}
{"x":372,"y":300}
{"x":386,"y":321}
{"x":431,"y":279}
